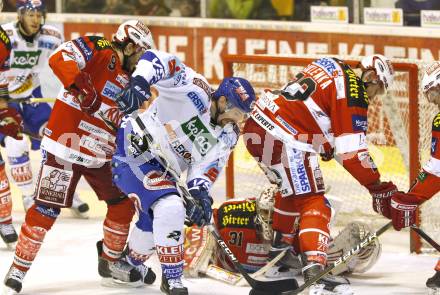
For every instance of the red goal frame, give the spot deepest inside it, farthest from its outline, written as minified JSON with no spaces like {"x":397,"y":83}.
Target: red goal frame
{"x":411,"y":68}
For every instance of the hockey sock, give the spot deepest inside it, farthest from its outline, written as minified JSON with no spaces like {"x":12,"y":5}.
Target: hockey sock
{"x":116,"y":228}
{"x":140,"y":246}
{"x":169,"y":217}
{"x":39,"y":220}
{"x":5,"y":196}
{"x":21,"y":172}
{"x":313,"y":231}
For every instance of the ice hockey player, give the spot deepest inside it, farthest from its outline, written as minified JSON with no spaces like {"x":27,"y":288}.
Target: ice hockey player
{"x":246,"y":227}
{"x":403,"y":206}
{"x":79,"y":140}
{"x":34,"y":42}
{"x":322,"y":111}
{"x":191,"y":126}
{"x":11,"y":125}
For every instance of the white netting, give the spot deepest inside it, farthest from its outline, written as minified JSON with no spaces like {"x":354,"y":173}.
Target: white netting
{"x":388,"y":138}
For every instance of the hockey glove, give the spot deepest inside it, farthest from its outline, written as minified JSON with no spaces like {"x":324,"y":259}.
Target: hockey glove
{"x":134,"y":95}
{"x":403,"y":210}
{"x":382,"y":193}
{"x":201,"y":214}
{"x":11,"y":123}
{"x":85,"y":93}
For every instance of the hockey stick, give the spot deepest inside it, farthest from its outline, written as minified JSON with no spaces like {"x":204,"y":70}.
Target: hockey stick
{"x":365,"y":242}
{"x":425,"y":236}
{"x":32,"y":99}
{"x":263,"y":286}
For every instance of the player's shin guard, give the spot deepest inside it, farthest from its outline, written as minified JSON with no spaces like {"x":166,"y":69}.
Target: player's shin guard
{"x":7,"y":231}
{"x":116,"y":228}
{"x":169,"y":217}
{"x":38,"y":221}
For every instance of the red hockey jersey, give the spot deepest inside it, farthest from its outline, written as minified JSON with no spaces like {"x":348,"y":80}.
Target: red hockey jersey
{"x":71,"y":134}
{"x":5,"y":50}
{"x":324,"y":107}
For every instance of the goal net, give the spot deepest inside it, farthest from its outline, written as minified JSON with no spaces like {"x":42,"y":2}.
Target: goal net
{"x":399,"y":138}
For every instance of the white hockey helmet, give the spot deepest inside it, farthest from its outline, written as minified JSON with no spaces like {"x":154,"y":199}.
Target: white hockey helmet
{"x":382,"y":66}
{"x":264,"y":207}
{"x":431,"y":79}
{"x":136,"y":32}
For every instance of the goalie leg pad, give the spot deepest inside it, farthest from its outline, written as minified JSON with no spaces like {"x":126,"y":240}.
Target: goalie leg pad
{"x":116,"y":228}
{"x":38,"y":221}
{"x":168,"y":230}
{"x":5,"y":196}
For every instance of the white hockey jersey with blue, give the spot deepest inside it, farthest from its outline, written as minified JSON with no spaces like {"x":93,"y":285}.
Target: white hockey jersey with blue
{"x":29,"y":58}
{"x":179,"y":120}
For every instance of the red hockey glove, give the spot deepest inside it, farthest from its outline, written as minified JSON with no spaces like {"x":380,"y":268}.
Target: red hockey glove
{"x":382,"y":194}
{"x":85,"y":92}
{"x":11,"y":123}
{"x":403,"y":210}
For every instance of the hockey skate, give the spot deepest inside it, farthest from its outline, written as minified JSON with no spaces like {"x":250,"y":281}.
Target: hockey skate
{"x":8,"y":235}
{"x":289,"y":260}
{"x":79,"y":208}
{"x":118,"y":270}
{"x":13,"y":281}
{"x":433,"y":284}
{"x":327,"y":285}
{"x":173,"y":287}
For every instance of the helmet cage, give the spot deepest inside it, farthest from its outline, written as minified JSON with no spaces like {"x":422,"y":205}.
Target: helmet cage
{"x":264,"y":211}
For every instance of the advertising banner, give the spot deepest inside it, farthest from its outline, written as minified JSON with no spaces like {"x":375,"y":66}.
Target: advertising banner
{"x":329,"y":14}
{"x":383,"y":16}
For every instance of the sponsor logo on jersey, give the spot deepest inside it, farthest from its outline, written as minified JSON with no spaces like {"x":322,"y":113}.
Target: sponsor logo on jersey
{"x":356,"y":93}
{"x":84,"y":48}
{"x":300,"y":180}
{"x":96,"y":131}
{"x":262,"y":120}
{"x":157,"y":66}
{"x":262,"y":249}
{"x":199,"y":134}
{"x":422,"y":176}
{"x":99,"y":148}
{"x":46,"y":45}
{"x":198,"y":103}
{"x":433,"y":145}
{"x":170,"y":254}
{"x":110,"y":90}
{"x":359,"y":123}
{"x":53,"y":186}
{"x":102,"y":43}
{"x":237,"y":214}
{"x":50,"y":32}
{"x":5,"y":39}
{"x":202,"y":84}
{"x":78,"y":158}
{"x":25,"y":59}
{"x":287,"y":125}
{"x":436,"y":123}
{"x":122,"y":79}
{"x":366,"y":160}
{"x":266,"y":102}
{"x":329,"y":66}
{"x":156,"y":180}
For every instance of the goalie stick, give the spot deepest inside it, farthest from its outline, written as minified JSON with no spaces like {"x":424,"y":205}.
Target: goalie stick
{"x":365,"y":242}
{"x":262,"y":286}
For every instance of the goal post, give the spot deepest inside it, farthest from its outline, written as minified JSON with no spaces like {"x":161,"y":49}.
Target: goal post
{"x":398,"y":133}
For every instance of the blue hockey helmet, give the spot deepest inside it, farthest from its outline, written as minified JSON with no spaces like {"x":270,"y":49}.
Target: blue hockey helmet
{"x":238,"y":92}
{"x":37,"y":5}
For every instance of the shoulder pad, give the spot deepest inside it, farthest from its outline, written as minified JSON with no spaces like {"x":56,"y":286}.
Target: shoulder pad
{"x":51,"y":31}
{"x":436,"y":123}
{"x":101,"y":43}
{"x":5,"y":39}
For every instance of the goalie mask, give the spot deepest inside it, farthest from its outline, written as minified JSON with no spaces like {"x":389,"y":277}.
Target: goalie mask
{"x":264,"y":208}
{"x":431,"y":83}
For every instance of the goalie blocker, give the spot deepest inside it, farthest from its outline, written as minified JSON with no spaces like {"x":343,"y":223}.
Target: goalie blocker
{"x":244,"y":225}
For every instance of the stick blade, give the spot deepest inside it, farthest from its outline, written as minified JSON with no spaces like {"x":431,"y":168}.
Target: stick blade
{"x":274,"y":287}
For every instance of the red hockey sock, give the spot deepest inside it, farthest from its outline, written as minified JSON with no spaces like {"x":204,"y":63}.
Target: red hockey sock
{"x":5,"y":197}
{"x":116,"y":228}
{"x":31,"y":237}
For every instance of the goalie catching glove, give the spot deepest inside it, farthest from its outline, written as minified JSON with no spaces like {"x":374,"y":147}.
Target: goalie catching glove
{"x":382,"y":193}
{"x":85,"y":93}
{"x":11,"y":123}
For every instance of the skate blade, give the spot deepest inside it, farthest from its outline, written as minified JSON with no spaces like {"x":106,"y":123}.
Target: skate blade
{"x":8,"y":291}
{"x":114,"y":283}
